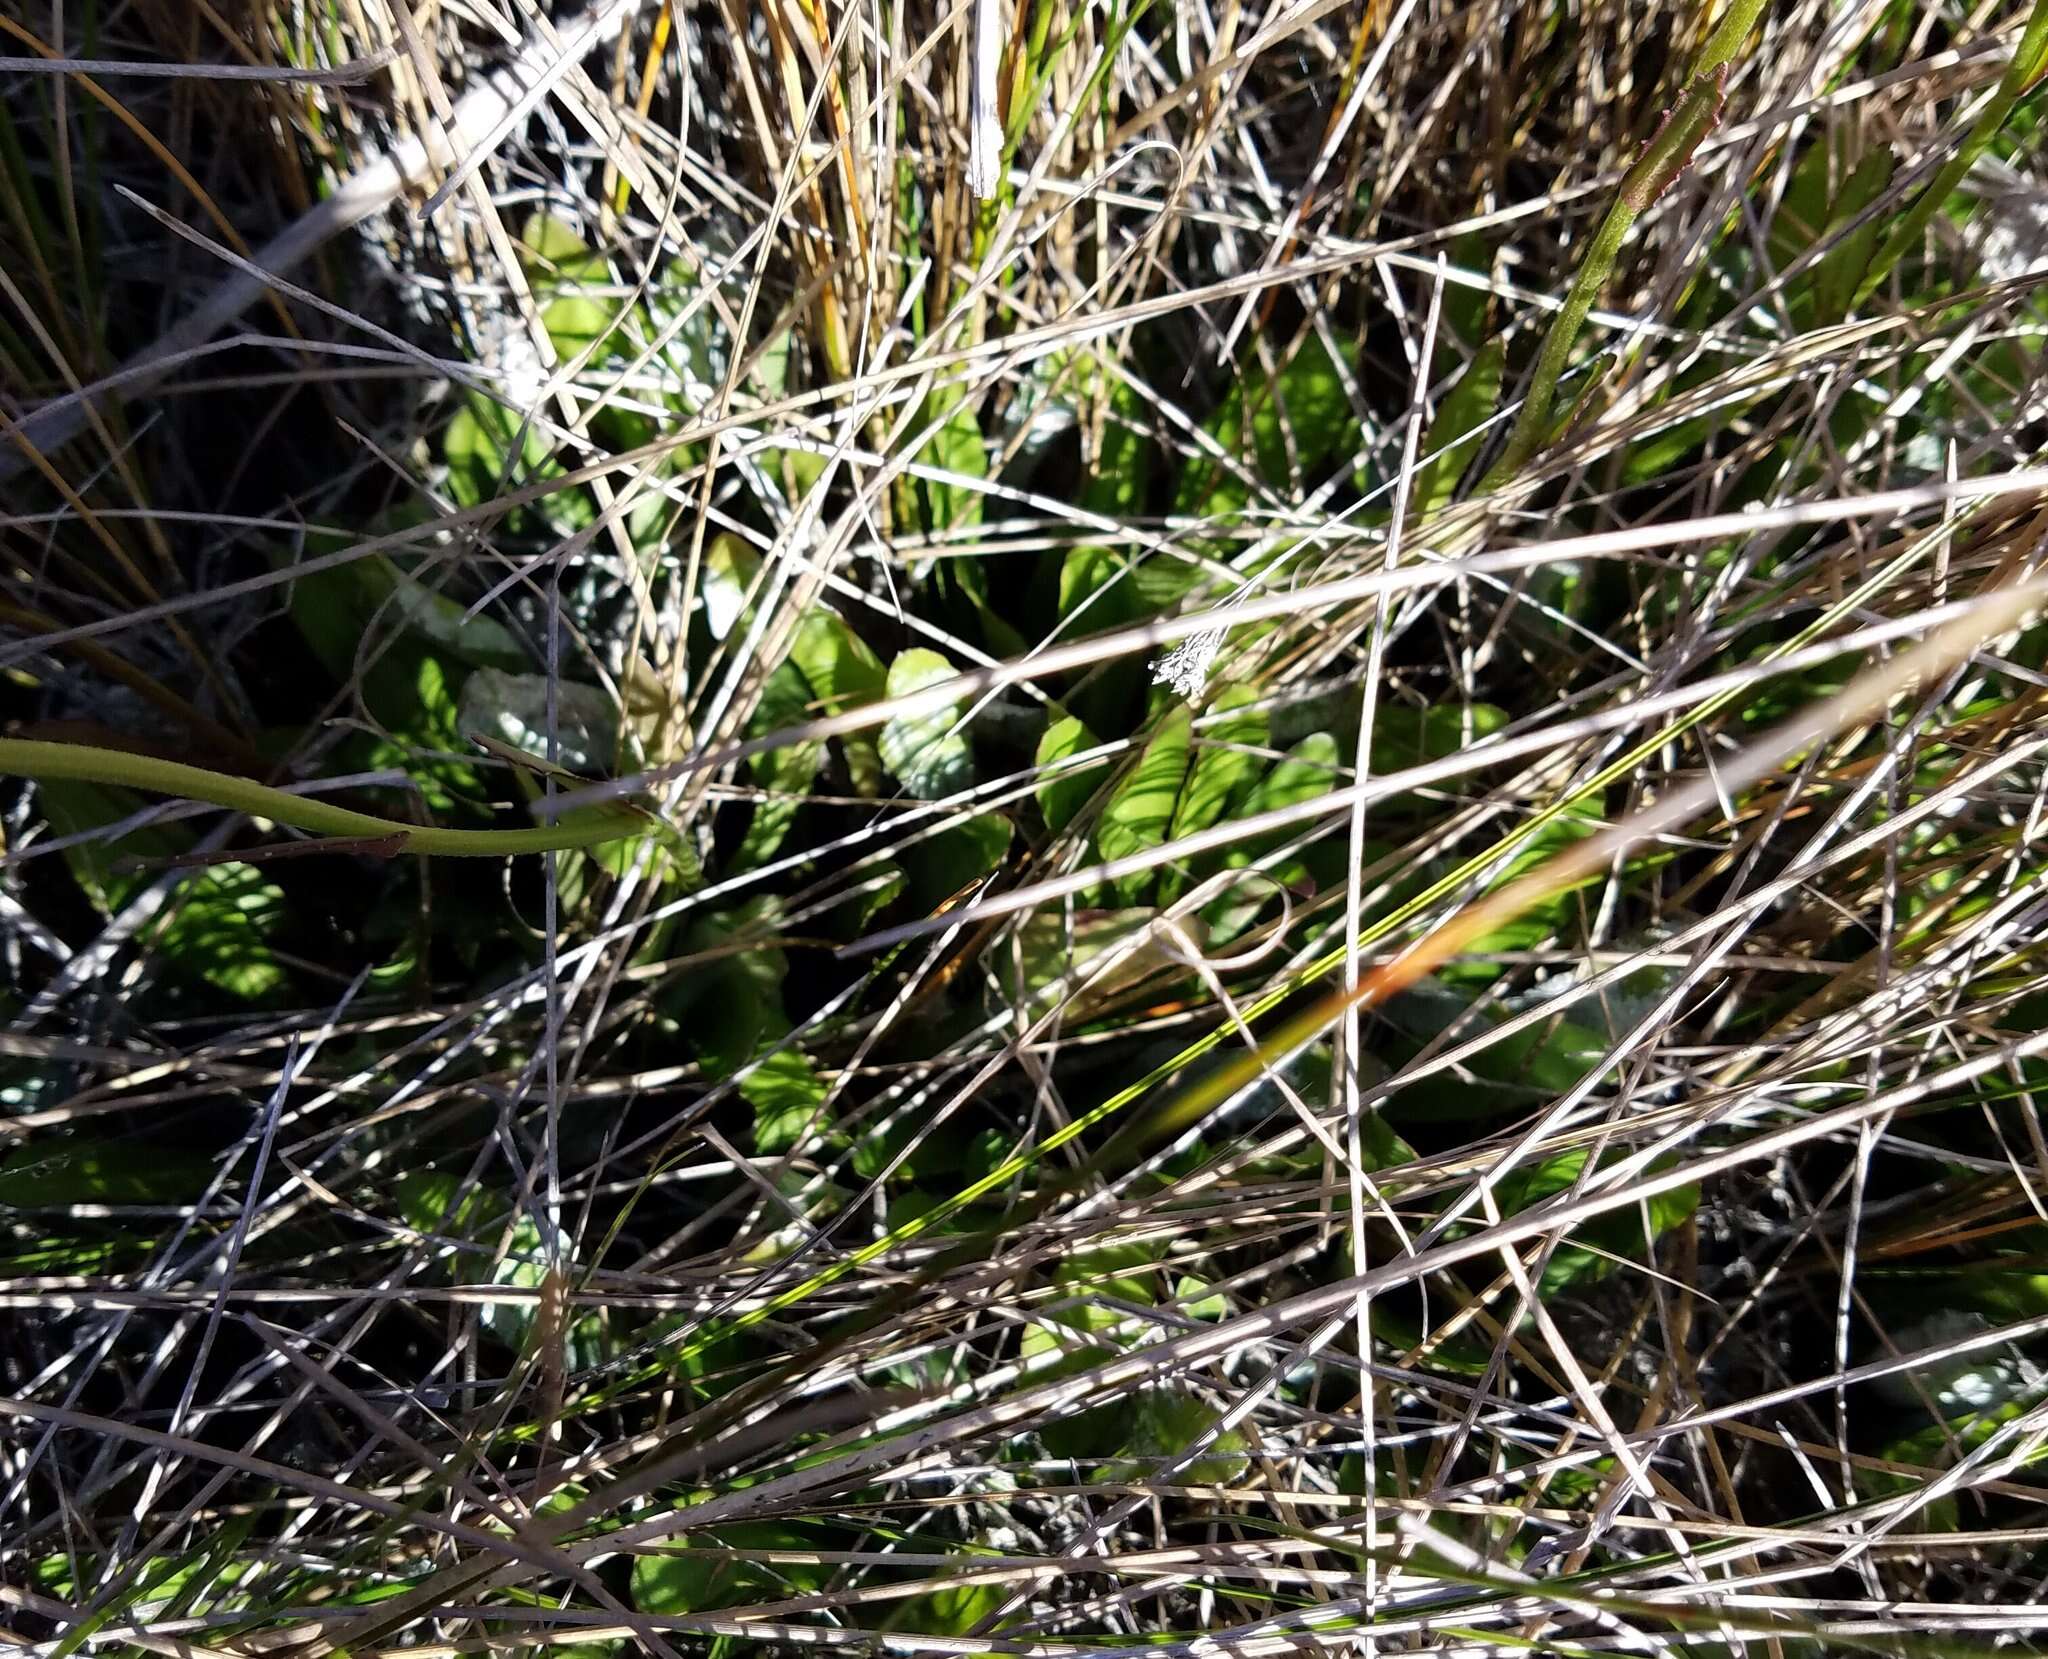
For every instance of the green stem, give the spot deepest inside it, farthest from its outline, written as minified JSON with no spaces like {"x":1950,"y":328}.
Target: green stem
{"x":1662,"y":160}
{"x":82,"y":764}
{"x":2029,"y":64}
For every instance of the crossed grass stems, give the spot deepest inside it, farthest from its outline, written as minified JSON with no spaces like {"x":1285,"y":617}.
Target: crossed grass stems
{"x":890,"y":1445}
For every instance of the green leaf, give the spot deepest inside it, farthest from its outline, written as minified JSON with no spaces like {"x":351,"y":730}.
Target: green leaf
{"x":1465,"y":303}
{"x":218,"y":929}
{"x":98,"y":866}
{"x":103,"y":1172}
{"x":703,"y":1577}
{"x":1074,"y":1317}
{"x":1141,"y":809}
{"x":727,"y":586}
{"x":840,"y":667}
{"x":1118,"y":481}
{"x":550,"y":243}
{"x":1842,"y":266}
{"x":788,"y":1097}
{"x":513,"y":709}
{"x":1309,"y":769}
{"x":1404,"y":736}
{"x":929,"y":757}
{"x":1454,"y":435}
{"x":521,"y":1265}
{"x":937,"y":505}
{"x":956,"y":858}
{"x":1279,"y":429}
{"x":1054,"y":946}
{"x":437,"y":1202}
{"x":435,"y":617}
{"x":1061,"y":796}
{"x":1093,"y":574}
{"x":1551,"y":914}
{"x":1803,"y":209}
{"x":1224,"y":771}
{"x":422,"y":716}
{"x":843,"y":673}
{"x":477,"y":445}
{"x":568,"y":280}
{"x":784,"y":775}
{"x":731,"y":1004}
{"x":1508,"y":1076}
{"x":1592,"y":1249}
{"x":956,"y":1610}
{"x":1166,"y":1422}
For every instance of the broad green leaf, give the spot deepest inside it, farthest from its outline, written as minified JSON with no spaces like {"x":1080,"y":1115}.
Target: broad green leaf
{"x":1121,"y":474}
{"x":1537,"y":922}
{"x":1075,"y":1317}
{"x":840,"y":667}
{"x":953,"y":860}
{"x":1095,"y":582}
{"x":1465,"y":303}
{"x":568,"y":283}
{"x":549,"y":243}
{"x":1404,"y":736}
{"x":422,"y":716}
{"x":661,"y":853}
{"x":437,"y":618}
{"x":100,"y":868}
{"x":1959,"y":1385}
{"x":478,"y":446}
{"x":712,"y":1570}
{"x":1278,"y":430}
{"x":1309,"y":769}
{"x":513,"y":709}
{"x":843,"y":673}
{"x":926,"y":752}
{"x":103,"y":1172}
{"x":1225,"y":767}
{"x":1803,"y":209}
{"x":1062,"y":795}
{"x":873,"y":896}
{"x":1166,"y":1422}
{"x":1591,"y":1250}
{"x":726,"y":588}
{"x":788,"y":1097}
{"x":1508,"y":1076}
{"x":1094,"y":574}
{"x":957,"y":1610}
{"x":436,"y":1201}
{"x":522,"y":1265}
{"x":1843,"y":265}
{"x":784,"y":775}
{"x":1454,"y":435}
{"x":219,"y":926}
{"x":939,"y":504}
{"x":1140,"y":811}
{"x":730,"y":1004}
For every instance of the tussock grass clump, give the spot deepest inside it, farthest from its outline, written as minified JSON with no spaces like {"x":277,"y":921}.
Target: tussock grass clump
{"x":1029,"y":827}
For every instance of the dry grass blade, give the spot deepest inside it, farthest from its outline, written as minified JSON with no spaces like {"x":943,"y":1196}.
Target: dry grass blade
{"x":1251,"y":795}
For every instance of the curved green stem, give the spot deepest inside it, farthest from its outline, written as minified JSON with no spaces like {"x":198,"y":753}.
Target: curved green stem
{"x":2029,"y":64}
{"x":80,"y":763}
{"x":1662,"y":160}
